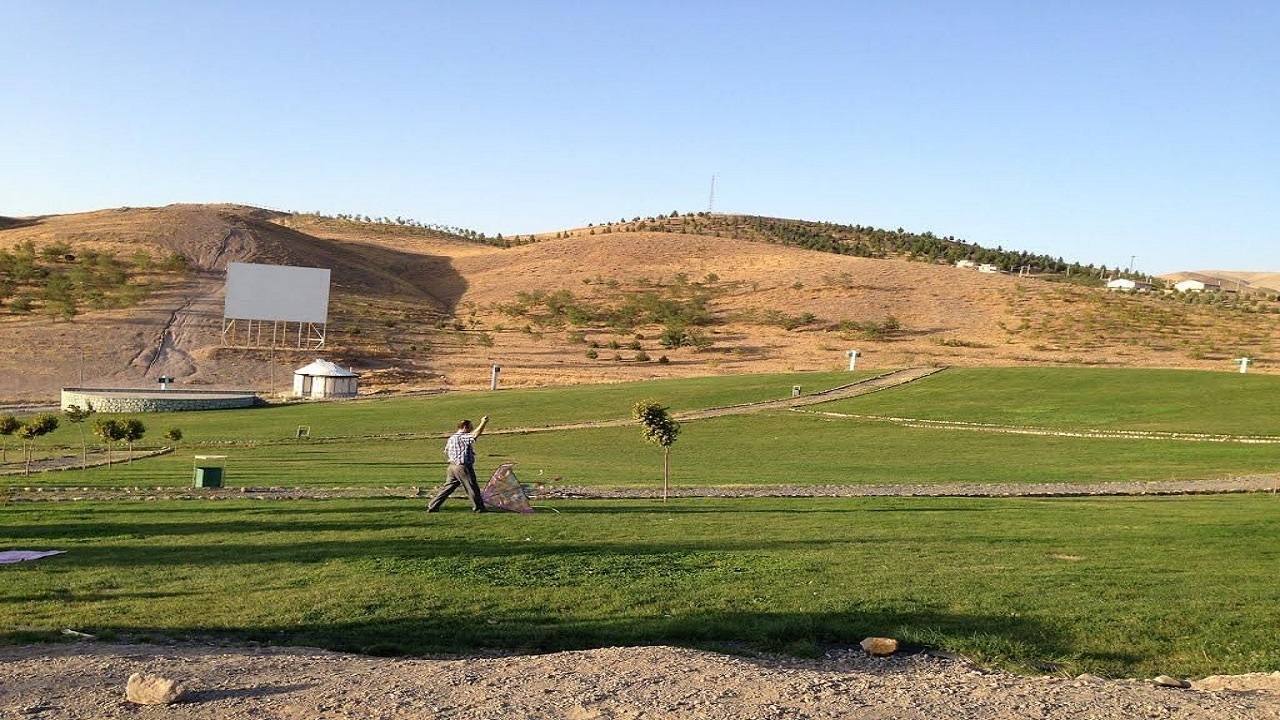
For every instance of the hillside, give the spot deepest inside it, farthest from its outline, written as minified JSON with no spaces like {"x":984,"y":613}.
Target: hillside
{"x":417,"y":308}
{"x":1231,"y":280}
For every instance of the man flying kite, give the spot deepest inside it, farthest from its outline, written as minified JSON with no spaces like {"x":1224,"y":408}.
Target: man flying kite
{"x":460,"y":449}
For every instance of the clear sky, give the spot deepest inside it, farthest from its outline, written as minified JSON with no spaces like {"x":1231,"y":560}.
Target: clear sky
{"x":1116,"y":132}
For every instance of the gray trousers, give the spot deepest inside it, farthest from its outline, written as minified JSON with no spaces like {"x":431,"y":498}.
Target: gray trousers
{"x":464,"y":475}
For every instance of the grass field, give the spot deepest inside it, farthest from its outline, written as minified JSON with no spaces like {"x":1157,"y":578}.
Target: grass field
{"x":396,"y":442}
{"x":1112,"y":586}
{"x":1115,"y":586}
{"x":1077,"y":398}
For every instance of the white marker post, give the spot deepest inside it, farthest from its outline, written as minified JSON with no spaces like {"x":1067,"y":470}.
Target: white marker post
{"x":1244,"y":364}
{"x":493,"y":377}
{"x":853,"y":358}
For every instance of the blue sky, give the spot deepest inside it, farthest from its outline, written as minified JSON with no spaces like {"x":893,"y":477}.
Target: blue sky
{"x":1111,"y":132}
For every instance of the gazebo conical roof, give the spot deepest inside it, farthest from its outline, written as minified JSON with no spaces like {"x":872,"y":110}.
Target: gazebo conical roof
{"x":324,"y":368}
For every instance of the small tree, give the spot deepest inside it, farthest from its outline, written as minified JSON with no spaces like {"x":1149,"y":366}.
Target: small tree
{"x":33,"y":429}
{"x":673,"y":336}
{"x":173,"y":435}
{"x":133,"y":432}
{"x":659,"y":429}
{"x":8,"y":426}
{"x":111,"y":431}
{"x":77,"y":416}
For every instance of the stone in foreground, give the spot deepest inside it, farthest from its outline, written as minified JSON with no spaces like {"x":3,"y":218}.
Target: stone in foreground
{"x":880,"y":646}
{"x":144,"y":689}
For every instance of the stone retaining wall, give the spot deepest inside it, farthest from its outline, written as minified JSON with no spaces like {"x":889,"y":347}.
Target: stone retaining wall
{"x":106,"y":400}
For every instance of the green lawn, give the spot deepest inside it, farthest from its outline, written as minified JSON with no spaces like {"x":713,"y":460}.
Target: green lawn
{"x":769,"y":448}
{"x":1078,"y":398}
{"x":1114,"y":586}
{"x":439,"y":414}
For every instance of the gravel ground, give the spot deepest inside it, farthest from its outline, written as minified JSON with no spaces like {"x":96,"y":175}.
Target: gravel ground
{"x":87,"y":680}
{"x":1242,"y":484}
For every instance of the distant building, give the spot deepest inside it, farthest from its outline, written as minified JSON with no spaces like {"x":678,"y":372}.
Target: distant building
{"x":323,"y":379}
{"x":1195,"y":286}
{"x":966,"y":264}
{"x":1127,"y":284}
{"x":988,"y":268}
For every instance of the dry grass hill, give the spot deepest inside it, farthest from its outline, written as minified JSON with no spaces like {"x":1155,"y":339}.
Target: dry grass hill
{"x":120,"y":297}
{"x":1232,"y":280}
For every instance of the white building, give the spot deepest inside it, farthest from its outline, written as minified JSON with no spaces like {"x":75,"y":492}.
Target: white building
{"x":1194,"y":286}
{"x":323,"y":379}
{"x":1127,"y":284}
{"x":988,"y":268}
{"x":966,"y":264}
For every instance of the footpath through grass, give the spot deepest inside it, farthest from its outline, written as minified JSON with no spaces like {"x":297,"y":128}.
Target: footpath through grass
{"x":1119,"y":587}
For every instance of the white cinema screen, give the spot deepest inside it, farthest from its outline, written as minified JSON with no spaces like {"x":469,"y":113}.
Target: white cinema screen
{"x":277,"y":292}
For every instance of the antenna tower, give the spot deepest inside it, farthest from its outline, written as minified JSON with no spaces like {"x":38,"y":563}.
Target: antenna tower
{"x":711,"y":200}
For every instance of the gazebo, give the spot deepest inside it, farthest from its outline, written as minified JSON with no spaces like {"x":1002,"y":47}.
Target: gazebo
{"x":323,"y":379}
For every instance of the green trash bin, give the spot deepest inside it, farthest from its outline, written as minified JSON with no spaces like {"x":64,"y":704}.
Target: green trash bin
{"x":209,"y":470}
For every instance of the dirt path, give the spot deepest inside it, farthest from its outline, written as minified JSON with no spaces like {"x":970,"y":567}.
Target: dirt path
{"x":86,"y":680}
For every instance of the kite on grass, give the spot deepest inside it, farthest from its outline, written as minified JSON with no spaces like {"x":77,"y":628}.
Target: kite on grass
{"x":504,"y":491}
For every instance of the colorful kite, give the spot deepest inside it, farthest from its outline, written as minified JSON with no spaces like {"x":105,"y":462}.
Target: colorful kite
{"x":504,"y":491}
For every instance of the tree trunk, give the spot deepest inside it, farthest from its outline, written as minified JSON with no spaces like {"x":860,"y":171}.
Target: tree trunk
{"x":666,"y":471}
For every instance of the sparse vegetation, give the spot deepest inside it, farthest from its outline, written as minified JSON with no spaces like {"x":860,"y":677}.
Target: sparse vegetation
{"x":403,"y":318}
{"x":62,"y":282}
{"x":871,"y":329}
{"x":865,"y":241}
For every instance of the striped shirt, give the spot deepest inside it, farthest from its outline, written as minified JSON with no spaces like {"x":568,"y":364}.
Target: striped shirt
{"x":460,"y":448}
